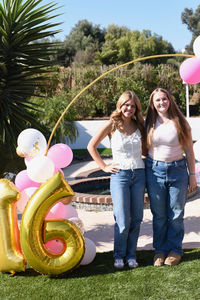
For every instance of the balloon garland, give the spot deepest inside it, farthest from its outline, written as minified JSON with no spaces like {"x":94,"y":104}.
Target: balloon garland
{"x":51,"y":241}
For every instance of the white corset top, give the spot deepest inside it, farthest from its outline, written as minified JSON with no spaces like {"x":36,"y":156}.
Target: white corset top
{"x":127,"y":150}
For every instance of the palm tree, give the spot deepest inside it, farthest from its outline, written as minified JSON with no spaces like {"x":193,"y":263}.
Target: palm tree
{"x":24,"y":65}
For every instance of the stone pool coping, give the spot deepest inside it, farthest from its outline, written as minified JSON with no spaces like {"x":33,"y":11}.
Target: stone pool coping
{"x":93,"y":201}
{"x":96,"y":201}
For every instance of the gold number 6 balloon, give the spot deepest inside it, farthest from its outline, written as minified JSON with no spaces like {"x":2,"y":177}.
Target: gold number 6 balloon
{"x":34,"y":231}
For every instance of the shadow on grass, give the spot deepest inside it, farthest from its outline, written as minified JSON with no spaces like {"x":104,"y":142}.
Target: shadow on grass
{"x":103,"y":264}
{"x":191,"y":255}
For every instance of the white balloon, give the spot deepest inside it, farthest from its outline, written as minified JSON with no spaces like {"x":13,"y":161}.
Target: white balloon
{"x":90,"y":252}
{"x":196,"y":46}
{"x":40,"y":168}
{"x":196,"y":148}
{"x":27,"y":160}
{"x":31,"y":142}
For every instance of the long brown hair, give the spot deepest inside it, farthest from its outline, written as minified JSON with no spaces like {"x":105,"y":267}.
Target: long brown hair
{"x":174,"y":113}
{"x":116,"y":116}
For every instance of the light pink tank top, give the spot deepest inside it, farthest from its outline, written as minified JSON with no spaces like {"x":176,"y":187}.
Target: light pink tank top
{"x":165,"y":142}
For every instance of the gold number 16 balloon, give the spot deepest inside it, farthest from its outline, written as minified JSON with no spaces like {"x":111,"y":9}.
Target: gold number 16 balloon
{"x":35,"y":231}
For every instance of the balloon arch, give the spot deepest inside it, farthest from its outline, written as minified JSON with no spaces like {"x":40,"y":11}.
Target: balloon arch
{"x":188,"y":67}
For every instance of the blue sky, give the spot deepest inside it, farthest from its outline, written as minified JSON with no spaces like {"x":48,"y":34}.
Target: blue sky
{"x":162,"y":17}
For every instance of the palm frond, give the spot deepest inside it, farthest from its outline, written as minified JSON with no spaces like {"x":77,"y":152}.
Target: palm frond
{"x":23,"y":63}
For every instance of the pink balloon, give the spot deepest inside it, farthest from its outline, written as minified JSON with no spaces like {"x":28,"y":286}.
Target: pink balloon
{"x":190,"y":70}
{"x":70,"y":212}
{"x":54,"y":246}
{"x":22,"y":181}
{"x":58,"y":211}
{"x":25,"y":195}
{"x":60,"y":170}
{"x":61,"y":155}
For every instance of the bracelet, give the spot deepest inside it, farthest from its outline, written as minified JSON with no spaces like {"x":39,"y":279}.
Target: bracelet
{"x":192,"y":174}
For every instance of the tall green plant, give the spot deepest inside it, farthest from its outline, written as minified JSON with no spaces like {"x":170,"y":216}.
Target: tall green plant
{"x":50,"y":113}
{"x":23,"y":62}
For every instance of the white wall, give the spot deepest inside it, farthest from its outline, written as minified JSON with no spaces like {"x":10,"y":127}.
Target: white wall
{"x":86,"y":131}
{"x":195,"y":125}
{"x":88,"y":128}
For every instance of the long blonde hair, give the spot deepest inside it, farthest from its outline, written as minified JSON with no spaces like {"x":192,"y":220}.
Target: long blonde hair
{"x":180,"y":122}
{"x":116,"y":116}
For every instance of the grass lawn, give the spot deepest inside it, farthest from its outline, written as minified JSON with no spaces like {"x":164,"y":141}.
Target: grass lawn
{"x":100,"y":281}
{"x":102,"y":151}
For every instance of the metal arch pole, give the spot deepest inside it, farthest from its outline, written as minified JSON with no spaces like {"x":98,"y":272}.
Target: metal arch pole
{"x":187,"y":100}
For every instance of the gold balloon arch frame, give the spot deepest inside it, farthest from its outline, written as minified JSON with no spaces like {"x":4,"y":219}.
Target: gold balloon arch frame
{"x":103,"y":75}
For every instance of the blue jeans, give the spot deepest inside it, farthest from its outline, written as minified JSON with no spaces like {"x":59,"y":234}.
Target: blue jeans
{"x":167,"y":184}
{"x":127,"y":191}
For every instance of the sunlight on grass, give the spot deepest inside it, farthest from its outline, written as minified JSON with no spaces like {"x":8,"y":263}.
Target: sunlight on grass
{"x":99,"y":280}
{"x":102,"y":151}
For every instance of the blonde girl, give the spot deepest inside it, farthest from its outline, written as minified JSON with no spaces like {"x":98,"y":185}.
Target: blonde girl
{"x":126,"y":132}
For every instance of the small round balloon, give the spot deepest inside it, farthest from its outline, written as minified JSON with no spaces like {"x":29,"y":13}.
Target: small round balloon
{"x":59,"y":170}
{"x":197,"y":172}
{"x":190,"y":70}
{"x":40,"y":168}
{"x":196,"y":46}
{"x":25,"y":195}
{"x":54,"y":246}
{"x":90,"y":252}
{"x":31,"y":142}
{"x":61,"y":155}
{"x":56,"y":212}
{"x":27,"y":160}
{"x":196,"y":148}
{"x":70,"y":212}
{"x":23,"y":181}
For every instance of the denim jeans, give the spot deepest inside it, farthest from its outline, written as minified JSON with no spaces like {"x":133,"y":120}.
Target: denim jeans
{"x":127,"y":191}
{"x":167,"y":184}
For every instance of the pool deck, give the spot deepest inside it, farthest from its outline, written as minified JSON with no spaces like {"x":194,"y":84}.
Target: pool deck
{"x":98,"y":225}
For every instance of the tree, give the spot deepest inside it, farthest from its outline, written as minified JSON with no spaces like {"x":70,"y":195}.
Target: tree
{"x":109,"y":53}
{"x":192,"y":20}
{"x":84,"y":39}
{"x":124,"y":45}
{"x":23,"y":63}
{"x":146,"y":44}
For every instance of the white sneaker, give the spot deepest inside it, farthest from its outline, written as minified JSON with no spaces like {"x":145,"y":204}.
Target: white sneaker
{"x":119,"y":263}
{"x":132,"y":263}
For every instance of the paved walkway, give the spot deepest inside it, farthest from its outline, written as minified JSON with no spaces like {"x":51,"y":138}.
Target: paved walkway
{"x":99,"y":225}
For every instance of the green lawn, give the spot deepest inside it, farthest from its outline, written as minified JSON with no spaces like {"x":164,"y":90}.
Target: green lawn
{"x":102,"y":151}
{"x":100,"y":281}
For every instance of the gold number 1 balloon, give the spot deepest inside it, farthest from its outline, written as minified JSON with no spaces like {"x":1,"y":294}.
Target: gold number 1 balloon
{"x":34,"y":231}
{"x":11,"y":259}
